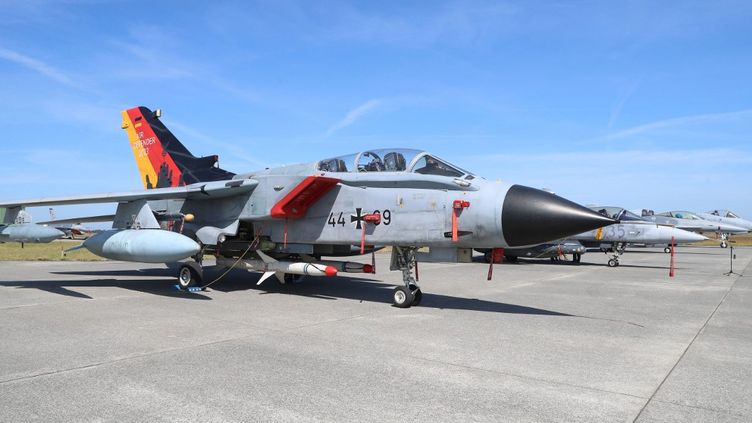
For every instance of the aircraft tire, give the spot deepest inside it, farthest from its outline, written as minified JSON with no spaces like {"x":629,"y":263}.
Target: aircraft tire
{"x":188,"y":276}
{"x":667,"y":250}
{"x":402,"y":297}
{"x":724,"y":244}
{"x":576,"y":257}
{"x":613,"y":263}
{"x":511,"y":259}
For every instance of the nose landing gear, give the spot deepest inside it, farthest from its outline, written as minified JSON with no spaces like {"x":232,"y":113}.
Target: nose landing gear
{"x":617,"y":250}
{"x":403,"y":259}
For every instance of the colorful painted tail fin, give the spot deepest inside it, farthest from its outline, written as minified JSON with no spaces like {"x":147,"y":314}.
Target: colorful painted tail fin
{"x":162,"y":160}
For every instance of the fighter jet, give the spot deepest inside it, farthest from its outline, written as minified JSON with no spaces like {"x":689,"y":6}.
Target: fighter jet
{"x":555,"y":251}
{"x":281,"y":221}
{"x":690,"y":221}
{"x":16,"y":226}
{"x":632,"y":229}
{"x":727,"y":217}
{"x":693,"y":222}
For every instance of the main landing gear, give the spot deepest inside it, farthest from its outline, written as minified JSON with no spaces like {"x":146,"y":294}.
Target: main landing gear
{"x":617,"y":251}
{"x":403,"y":259}
{"x":191,"y":273}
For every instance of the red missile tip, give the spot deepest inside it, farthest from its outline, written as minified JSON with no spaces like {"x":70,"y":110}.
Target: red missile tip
{"x":367,"y":268}
{"x":330,"y":271}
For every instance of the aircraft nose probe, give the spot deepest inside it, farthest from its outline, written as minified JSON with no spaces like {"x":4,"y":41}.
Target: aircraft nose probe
{"x":531,"y":216}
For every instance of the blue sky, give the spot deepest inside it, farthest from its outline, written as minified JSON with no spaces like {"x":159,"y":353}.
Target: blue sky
{"x":641,"y":104}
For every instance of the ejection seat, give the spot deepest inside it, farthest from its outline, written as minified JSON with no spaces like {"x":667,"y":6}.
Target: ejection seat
{"x":395,"y":162}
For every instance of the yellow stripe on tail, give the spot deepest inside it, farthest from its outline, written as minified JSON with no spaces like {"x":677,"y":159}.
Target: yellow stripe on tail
{"x":140,"y":152}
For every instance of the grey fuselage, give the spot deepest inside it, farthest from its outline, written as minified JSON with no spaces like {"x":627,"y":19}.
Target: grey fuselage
{"x":725,"y":220}
{"x":415,"y":210}
{"x":642,"y":233}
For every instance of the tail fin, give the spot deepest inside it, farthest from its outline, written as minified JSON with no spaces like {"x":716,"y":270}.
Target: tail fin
{"x":162,"y":160}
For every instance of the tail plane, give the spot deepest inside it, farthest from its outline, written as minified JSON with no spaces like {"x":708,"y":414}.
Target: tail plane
{"x":162,"y":160}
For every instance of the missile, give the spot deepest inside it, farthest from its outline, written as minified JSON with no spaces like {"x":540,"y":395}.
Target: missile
{"x":141,"y":245}
{"x":278,"y":268}
{"x":348,"y":266}
{"x":29,"y":232}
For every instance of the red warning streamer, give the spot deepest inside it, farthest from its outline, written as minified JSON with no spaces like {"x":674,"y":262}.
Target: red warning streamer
{"x":457,"y":206}
{"x":374,"y":218}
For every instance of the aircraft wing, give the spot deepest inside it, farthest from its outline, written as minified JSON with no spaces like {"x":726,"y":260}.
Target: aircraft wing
{"x":85,"y":219}
{"x":198,"y":191}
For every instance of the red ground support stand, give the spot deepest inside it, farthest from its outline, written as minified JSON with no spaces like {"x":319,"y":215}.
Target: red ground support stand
{"x":671,"y":267}
{"x":497,"y":256}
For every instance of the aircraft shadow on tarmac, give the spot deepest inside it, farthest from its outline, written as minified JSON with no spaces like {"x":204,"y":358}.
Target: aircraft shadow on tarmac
{"x":162,"y":287}
{"x":548,"y":262}
{"x":322,"y":288}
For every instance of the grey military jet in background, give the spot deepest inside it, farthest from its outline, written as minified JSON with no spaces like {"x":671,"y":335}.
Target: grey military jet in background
{"x":632,"y":229}
{"x":555,"y":251}
{"x":727,"y":217}
{"x":693,"y":222}
{"x":16,"y":226}
{"x":281,"y":221}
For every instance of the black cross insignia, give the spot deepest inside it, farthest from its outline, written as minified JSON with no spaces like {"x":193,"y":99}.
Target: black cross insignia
{"x":357,"y":217}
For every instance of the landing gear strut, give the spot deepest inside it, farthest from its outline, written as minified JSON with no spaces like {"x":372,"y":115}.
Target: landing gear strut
{"x":403,"y":259}
{"x":724,"y":240}
{"x":617,"y":251}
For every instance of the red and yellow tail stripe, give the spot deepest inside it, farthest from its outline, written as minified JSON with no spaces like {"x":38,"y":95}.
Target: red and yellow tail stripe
{"x":154,"y":163}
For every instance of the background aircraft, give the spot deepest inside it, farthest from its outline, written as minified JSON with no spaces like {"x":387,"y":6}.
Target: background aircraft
{"x":551,"y":250}
{"x":693,"y":222}
{"x":16,"y":226}
{"x":281,"y":221}
{"x":728,"y":218}
{"x":631,"y":229}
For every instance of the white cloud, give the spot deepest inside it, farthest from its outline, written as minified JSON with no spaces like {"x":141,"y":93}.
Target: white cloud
{"x":37,"y":66}
{"x":353,"y":115}
{"x":680,"y":121}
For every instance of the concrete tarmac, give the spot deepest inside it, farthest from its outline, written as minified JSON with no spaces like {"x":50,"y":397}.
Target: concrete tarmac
{"x":113,"y":341}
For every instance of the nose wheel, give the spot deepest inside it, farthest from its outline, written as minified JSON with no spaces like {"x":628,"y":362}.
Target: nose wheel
{"x":404,"y":297}
{"x":403,"y":258}
{"x":617,"y":250}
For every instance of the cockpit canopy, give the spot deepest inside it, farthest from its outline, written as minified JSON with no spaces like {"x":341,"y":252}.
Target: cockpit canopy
{"x":618,"y":213}
{"x":681,"y":215}
{"x":393,"y":160}
{"x":725,"y":213}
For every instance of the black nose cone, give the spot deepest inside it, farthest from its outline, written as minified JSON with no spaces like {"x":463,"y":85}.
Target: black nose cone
{"x":531,"y":216}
